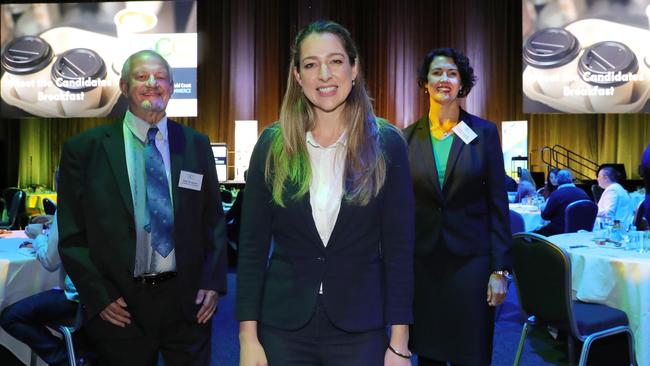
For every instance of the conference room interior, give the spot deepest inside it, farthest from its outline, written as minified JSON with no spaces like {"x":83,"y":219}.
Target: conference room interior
{"x":242,"y":69}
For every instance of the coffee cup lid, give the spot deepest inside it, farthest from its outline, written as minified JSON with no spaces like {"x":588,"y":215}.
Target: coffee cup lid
{"x":26,"y":55}
{"x":551,"y":47}
{"x":607,"y":59}
{"x":75,"y":66}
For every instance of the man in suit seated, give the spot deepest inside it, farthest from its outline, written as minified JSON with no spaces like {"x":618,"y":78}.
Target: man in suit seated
{"x":142,"y":228}
{"x":565,"y":194}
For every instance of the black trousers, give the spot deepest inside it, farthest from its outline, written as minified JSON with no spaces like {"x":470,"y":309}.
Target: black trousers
{"x":423,"y":361}
{"x":321,"y":343}
{"x":157,"y":326}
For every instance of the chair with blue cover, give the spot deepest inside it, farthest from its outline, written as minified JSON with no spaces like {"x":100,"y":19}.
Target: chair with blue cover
{"x":49,"y":206}
{"x":542,"y":273}
{"x":13,"y":211}
{"x":517,"y":224}
{"x":580,"y":215}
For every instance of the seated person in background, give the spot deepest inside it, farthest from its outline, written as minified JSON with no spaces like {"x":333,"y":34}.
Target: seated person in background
{"x":526,"y":186}
{"x":565,"y":194}
{"x":615,"y":203}
{"x":551,"y":183}
{"x":25,"y":320}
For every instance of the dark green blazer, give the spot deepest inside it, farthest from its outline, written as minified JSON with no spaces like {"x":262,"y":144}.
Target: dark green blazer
{"x":96,"y":219}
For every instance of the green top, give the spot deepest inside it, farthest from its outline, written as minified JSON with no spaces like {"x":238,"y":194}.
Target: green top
{"x":441,"y":150}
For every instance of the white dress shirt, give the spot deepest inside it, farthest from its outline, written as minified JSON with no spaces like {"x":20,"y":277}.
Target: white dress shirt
{"x":135,"y":130}
{"x":47,"y":252}
{"x":616,"y":204}
{"x":326,"y":186}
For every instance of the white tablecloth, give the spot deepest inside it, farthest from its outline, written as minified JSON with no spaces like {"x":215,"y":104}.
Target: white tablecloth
{"x":614,"y":277}
{"x":21,"y":275}
{"x":531,"y":214}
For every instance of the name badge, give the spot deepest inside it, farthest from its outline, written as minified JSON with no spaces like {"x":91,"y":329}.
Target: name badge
{"x":465,"y":133}
{"x":190,"y":180}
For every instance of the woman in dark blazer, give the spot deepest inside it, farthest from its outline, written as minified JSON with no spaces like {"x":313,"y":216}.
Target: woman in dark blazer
{"x":462,"y":235}
{"x":329,"y":184}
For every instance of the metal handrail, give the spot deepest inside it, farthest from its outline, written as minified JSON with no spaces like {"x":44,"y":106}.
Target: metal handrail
{"x":561,"y":157}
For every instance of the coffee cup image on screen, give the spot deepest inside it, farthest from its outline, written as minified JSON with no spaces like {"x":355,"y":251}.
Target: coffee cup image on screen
{"x":568,"y":71}
{"x":69,"y":64}
{"x":552,"y":56}
{"x":45,"y":85}
{"x":26,"y":62}
{"x":79,"y":76}
{"x":608,"y":71}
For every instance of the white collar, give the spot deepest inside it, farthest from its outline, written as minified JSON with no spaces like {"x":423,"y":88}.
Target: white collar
{"x":139,"y":127}
{"x":342,"y":141}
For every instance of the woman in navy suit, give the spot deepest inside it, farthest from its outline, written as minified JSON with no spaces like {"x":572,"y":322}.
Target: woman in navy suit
{"x":329,"y":184}
{"x":461,"y":222}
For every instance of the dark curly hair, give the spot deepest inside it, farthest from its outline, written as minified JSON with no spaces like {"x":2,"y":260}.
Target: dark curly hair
{"x":466,"y":71}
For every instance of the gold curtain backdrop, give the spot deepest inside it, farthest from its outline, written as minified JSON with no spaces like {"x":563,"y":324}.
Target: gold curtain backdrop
{"x":243,"y":63}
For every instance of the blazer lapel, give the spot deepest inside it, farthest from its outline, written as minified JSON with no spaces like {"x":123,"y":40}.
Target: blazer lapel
{"x":424,"y":153}
{"x":114,"y":146}
{"x":177,"y":144}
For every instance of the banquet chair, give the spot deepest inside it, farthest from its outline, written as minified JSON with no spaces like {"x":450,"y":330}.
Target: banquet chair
{"x":13,"y":211}
{"x":66,"y":328}
{"x":49,"y":206}
{"x":517,"y":224}
{"x":580,"y":215}
{"x":22,"y":218}
{"x":542,"y":273}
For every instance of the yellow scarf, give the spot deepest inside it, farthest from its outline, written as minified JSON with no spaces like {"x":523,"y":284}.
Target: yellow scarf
{"x":441,"y":130}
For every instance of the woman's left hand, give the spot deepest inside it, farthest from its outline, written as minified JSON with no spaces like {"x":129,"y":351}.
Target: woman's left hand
{"x":497,"y":289}
{"x":391,"y":359}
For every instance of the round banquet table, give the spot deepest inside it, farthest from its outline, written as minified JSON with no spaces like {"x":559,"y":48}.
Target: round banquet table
{"x":531,"y":214}
{"x":21,"y":275}
{"x":615,"y":277}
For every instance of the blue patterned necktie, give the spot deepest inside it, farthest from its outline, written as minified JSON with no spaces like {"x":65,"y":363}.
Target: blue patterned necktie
{"x":161,"y":219}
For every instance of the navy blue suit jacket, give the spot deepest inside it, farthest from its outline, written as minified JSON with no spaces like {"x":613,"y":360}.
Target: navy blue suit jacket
{"x":556,"y":207}
{"x":366,"y":268}
{"x":469,"y":214}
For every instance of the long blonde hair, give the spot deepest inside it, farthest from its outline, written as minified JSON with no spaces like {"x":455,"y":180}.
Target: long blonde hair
{"x":288,"y":160}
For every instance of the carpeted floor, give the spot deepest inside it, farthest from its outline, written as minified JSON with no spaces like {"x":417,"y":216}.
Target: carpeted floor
{"x":540,"y":349}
